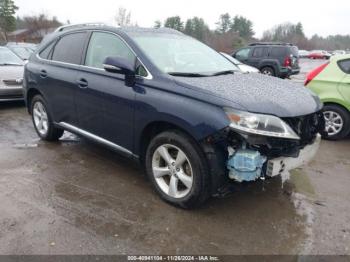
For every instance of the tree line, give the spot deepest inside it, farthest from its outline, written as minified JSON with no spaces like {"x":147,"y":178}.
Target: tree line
{"x":231,"y":32}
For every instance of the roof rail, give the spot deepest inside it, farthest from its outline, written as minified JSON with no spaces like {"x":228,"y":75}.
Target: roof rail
{"x":67,"y":27}
{"x":270,"y":43}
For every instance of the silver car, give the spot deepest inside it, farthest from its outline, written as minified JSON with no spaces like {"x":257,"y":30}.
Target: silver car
{"x":11,"y":75}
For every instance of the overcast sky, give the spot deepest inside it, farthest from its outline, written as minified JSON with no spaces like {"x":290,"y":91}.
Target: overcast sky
{"x":321,"y":17}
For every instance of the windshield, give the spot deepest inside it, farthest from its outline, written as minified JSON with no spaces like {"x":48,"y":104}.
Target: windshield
{"x":178,"y":54}
{"x":22,"y":52}
{"x":7,"y":57}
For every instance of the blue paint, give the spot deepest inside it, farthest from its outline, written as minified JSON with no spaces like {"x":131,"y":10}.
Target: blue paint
{"x":245,"y":165}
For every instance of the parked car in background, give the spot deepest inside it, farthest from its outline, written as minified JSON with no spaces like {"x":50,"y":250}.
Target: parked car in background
{"x":273,"y":59}
{"x":243,"y":67}
{"x":23,"y":52}
{"x":339,"y":52}
{"x":331,"y":81}
{"x":172,"y":103}
{"x":303,"y":53}
{"x":319,"y":54}
{"x":11,"y":75}
{"x":30,"y":46}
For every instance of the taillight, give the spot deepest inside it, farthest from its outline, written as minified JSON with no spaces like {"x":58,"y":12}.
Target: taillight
{"x":287,"y":61}
{"x":310,"y":76}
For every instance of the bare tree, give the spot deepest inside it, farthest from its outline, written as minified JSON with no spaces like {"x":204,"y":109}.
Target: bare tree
{"x":123,"y":17}
{"x":40,"y":25}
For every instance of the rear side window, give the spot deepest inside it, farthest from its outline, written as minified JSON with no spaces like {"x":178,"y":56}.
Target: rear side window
{"x":69,"y":48}
{"x":103,"y":45}
{"x":278,"y":51}
{"x":345,"y":65}
{"x":46,"y":53}
{"x":259,"y":52}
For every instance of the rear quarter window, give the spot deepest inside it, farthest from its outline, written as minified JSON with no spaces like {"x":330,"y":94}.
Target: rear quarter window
{"x":277,"y":51}
{"x":345,"y":65}
{"x":46,"y":53}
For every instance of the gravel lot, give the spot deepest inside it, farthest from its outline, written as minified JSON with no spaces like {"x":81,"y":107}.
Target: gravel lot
{"x":74,"y":197}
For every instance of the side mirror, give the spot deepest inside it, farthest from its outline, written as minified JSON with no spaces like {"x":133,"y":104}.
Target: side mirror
{"x":118,"y":65}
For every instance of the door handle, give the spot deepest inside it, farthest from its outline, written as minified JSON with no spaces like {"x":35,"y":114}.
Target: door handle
{"x":83,"y":83}
{"x":43,"y":73}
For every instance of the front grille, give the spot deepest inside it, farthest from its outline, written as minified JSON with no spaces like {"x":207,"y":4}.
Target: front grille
{"x":307,"y":127}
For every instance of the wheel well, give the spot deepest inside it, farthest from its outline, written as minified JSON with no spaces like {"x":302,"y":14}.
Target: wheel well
{"x":153,"y":129}
{"x":269,"y":66}
{"x":31,"y":93}
{"x":336,"y":104}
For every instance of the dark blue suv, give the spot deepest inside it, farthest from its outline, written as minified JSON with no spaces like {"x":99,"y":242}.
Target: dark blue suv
{"x":180,"y":108}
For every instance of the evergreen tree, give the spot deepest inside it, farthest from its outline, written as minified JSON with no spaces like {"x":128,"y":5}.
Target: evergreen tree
{"x":196,"y":28}
{"x":157,"y":24}
{"x":174,"y":22}
{"x":7,"y":16}
{"x":224,"y":24}
{"x":243,"y":26}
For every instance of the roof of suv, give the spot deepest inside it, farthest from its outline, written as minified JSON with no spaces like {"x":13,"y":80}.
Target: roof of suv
{"x":125,"y":29}
{"x":270,"y":44}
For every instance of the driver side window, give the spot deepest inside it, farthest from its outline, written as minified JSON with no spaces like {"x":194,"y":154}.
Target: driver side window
{"x":243,"y":54}
{"x":103,"y":45}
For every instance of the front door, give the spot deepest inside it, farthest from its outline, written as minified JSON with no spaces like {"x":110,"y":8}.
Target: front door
{"x":104,"y":103}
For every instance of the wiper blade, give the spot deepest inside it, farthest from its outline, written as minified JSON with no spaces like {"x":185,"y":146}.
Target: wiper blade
{"x":226,"y":72}
{"x":186,"y":74}
{"x":10,"y":64}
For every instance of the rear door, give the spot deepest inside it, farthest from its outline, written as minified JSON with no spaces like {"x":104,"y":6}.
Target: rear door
{"x":57,"y":74}
{"x":278,"y":53}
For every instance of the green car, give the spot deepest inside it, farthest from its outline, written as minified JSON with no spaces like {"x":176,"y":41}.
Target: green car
{"x":331,"y":82}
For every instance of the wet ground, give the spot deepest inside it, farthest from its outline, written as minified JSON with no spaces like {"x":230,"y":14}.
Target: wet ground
{"x":75,"y":197}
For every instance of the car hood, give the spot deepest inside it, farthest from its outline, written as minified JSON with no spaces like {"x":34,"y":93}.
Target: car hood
{"x":11,"y":72}
{"x":257,"y":93}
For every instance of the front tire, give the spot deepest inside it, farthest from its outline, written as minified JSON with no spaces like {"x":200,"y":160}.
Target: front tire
{"x":337,"y":122}
{"x":177,"y":169}
{"x":42,"y":120}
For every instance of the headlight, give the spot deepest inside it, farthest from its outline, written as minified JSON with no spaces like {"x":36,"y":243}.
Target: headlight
{"x":265,"y":125}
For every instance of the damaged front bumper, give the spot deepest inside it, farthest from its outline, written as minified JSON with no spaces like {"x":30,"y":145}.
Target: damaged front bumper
{"x":250,"y":165}
{"x":281,"y":165}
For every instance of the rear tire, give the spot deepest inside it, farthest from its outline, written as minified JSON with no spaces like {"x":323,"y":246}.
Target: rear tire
{"x":268,"y":71}
{"x":42,"y":120}
{"x":177,"y":169}
{"x":337,"y":122}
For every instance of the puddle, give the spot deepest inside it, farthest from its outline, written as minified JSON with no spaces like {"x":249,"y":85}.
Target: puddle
{"x":301,"y":183}
{"x":302,"y":196}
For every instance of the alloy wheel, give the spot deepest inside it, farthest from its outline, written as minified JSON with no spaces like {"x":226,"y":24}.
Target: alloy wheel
{"x":172,"y":171}
{"x":40,"y":118}
{"x":334,"y":122}
{"x":267,"y":72}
